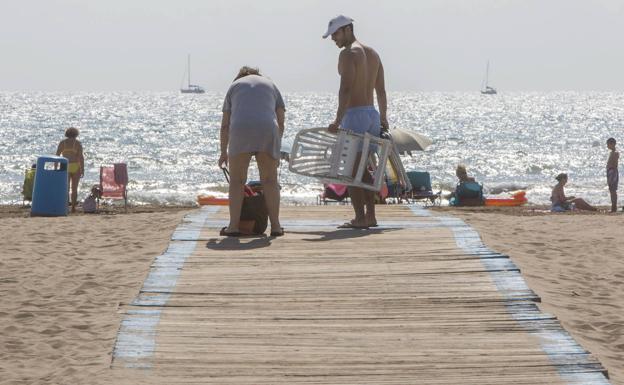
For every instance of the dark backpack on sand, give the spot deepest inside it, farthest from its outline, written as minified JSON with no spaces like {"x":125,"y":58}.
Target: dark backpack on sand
{"x":254,"y":213}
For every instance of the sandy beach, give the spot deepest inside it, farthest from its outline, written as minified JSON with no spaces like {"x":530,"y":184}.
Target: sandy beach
{"x":62,"y":280}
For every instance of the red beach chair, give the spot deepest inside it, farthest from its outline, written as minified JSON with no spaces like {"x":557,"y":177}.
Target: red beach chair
{"x":113,"y":182}
{"x":333,"y":192}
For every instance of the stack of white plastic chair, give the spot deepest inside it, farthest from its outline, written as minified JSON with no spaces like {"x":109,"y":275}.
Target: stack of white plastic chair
{"x":331,"y":157}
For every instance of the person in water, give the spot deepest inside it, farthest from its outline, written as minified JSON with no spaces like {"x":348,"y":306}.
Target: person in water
{"x":561,"y":202}
{"x":71,"y":148}
{"x":613,"y":176}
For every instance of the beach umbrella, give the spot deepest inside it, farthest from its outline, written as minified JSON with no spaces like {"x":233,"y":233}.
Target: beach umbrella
{"x":407,"y":141}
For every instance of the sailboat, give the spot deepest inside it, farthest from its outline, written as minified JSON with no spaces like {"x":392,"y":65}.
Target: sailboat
{"x":192,"y":88}
{"x":487,"y":90}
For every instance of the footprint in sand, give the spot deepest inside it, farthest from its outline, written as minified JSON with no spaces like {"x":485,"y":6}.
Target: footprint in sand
{"x":596,"y":339}
{"x":23,"y":315}
{"x":57,"y":344}
{"x":584,"y":326}
{"x":52,"y":331}
{"x":613,"y":327}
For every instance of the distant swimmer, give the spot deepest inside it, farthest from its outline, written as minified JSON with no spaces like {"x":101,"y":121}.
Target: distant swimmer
{"x":361,"y":75}
{"x":71,"y":148}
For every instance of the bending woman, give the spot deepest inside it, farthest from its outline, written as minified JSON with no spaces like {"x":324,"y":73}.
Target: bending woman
{"x":252,"y":125}
{"x":71,"y":148}
{"x":561,"y":202}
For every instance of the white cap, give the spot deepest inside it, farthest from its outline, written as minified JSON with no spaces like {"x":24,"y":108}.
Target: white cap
{"x":336,"y":23}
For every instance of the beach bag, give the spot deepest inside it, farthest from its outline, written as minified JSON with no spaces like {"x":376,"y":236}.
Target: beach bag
{"x":254,"y":217}
{"x":89,"y":205}
{"x":469,"y":194}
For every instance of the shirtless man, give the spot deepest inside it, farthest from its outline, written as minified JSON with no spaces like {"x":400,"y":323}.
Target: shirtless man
{"x":612,"y":173}
{"x":361,"y":73}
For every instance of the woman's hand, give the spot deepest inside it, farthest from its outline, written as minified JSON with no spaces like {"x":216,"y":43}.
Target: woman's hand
{"x":223,"y":159}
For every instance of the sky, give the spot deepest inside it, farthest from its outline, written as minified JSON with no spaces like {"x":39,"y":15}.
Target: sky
{"x":425,"y":45}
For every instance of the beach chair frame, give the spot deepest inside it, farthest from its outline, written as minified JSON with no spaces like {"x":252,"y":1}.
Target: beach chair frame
{"x":323,"y":199}
{"x":331,"y":157}
{"x":397,"y":190}
{"x":107,"y":193}
{"x":422,"y":193}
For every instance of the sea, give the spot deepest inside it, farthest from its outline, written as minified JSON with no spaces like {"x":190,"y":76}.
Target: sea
{"x":170,"y":141}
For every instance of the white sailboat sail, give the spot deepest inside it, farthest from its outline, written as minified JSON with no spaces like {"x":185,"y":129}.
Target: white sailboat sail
{"x":191,"y":88}
{"x":486,"y":89}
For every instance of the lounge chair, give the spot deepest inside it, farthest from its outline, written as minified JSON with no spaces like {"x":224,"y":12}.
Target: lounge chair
{"x":421,"y":189}
{"x":396,"y":189}
{"x":334,"y":193}
{"x":114,"y":182}
{"x":397,"y":181}
{"x":332,"y":157}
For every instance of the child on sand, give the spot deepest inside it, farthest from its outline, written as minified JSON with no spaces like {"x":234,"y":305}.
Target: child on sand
{"x":612,"y":173}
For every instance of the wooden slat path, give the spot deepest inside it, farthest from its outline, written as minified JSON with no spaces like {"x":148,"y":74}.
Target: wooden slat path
{"x":417,"y":300}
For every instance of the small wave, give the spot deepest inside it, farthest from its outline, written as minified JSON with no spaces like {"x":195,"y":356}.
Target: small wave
{"x":445,"y":186}
{"x":506,"y":188}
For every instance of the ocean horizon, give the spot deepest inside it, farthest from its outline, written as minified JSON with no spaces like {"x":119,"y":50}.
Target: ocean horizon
{"x":510,"y":141}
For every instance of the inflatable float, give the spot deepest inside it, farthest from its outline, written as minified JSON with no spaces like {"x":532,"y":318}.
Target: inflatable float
{"x":212,"y":200}
{"x":517,"y":199}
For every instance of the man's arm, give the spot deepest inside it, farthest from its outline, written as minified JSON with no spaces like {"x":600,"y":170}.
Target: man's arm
{"x":280,"y":112}
{"x":346,"y":67}
{"x":225,"y":137}
{"x":382,"y":101}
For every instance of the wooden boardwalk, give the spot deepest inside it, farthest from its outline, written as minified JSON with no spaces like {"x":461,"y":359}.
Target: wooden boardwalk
{"x":417,"y":300}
